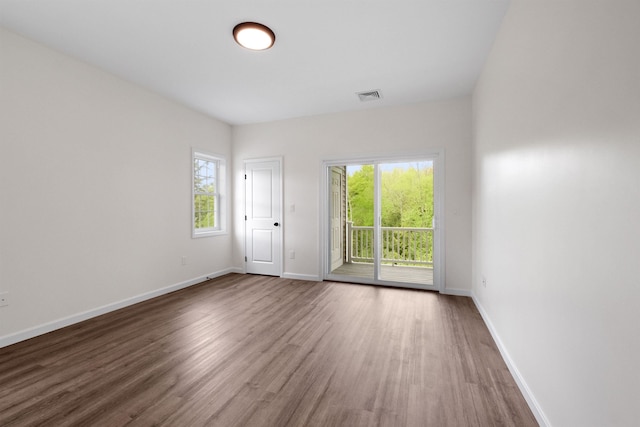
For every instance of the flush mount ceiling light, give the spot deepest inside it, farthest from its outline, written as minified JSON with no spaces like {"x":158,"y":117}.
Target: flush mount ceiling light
{"x":254,"y":36}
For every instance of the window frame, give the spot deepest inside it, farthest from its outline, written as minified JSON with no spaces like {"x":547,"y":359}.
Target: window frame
{"x":219,"y":194}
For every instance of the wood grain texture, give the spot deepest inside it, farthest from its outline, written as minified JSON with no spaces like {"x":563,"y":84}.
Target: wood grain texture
{"x":245,"y":350}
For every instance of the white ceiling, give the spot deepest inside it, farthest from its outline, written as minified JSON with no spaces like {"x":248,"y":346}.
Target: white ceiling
{"x":325,"y":50}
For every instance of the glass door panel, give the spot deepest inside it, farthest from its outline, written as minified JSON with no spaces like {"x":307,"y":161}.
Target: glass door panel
{"x":351,"y":207}
{"x":406,"y":222}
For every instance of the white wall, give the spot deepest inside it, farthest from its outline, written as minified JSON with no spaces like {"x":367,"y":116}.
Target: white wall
{"x":94,"y":189}
{"x":557,"y":205}
{"x":306,"y":142}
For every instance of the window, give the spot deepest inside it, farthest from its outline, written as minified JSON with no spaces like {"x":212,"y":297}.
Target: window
{"x":208,"y":194}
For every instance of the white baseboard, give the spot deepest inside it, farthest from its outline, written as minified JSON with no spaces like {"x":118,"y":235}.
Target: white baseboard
{"x":295,"y":276}
{"x":522,"y":385}
{"x":76,"y":318}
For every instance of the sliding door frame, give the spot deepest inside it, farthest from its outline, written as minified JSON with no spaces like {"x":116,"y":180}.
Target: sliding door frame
{"x":437,"y":157}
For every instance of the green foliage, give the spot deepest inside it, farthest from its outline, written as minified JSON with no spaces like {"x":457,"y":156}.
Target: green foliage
{"x":407,"y":202}
{"x":360,"y":198}
{"x":407,"y":196}
{"x":204,"y":212}
{"x":204,"y":201}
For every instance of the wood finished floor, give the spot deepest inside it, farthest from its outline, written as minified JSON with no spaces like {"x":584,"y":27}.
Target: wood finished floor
{"x":246,"y":350}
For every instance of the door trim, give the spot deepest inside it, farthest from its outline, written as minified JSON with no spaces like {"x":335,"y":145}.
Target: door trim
{"x":280,"y":161}
{"x":340,"y":174}
{"x":438,"y":158}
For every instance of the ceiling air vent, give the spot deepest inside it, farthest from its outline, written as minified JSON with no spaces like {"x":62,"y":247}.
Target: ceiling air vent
{"x":371,"y":95}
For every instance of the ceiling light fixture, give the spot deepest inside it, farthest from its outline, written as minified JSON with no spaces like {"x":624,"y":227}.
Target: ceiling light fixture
{"x":254,"y":36}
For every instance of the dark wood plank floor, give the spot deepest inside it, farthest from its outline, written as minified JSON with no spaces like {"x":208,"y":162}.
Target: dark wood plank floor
{"x":246,"y":350}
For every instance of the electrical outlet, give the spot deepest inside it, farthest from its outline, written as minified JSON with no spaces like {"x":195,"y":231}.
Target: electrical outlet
{"x":292,"y":254}
{"x":484,"y":281}
{"x":4,"y":299}
{"x":184,"y":260}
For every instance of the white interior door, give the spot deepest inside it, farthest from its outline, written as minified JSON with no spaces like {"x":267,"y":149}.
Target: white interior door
{"x":263,"y":228}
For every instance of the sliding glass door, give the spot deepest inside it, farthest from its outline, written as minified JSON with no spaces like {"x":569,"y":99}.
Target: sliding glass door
{"x":382,"y":218}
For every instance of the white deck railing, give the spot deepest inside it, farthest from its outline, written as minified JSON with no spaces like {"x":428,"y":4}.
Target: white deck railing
{"x":400,"y":245}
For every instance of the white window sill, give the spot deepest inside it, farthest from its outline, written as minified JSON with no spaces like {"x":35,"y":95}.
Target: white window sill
{"x":197,"y":235}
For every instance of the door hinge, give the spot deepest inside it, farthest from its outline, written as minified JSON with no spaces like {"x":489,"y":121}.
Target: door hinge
{"x":245,"y":259}
{"x":245,"y":217}
{"x":245,"y":176}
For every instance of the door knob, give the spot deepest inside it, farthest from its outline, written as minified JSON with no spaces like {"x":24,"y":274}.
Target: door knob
{"x":276,"y":224}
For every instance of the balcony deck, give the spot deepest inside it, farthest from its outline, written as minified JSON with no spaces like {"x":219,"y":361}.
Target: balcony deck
{"x":392,"y":273}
